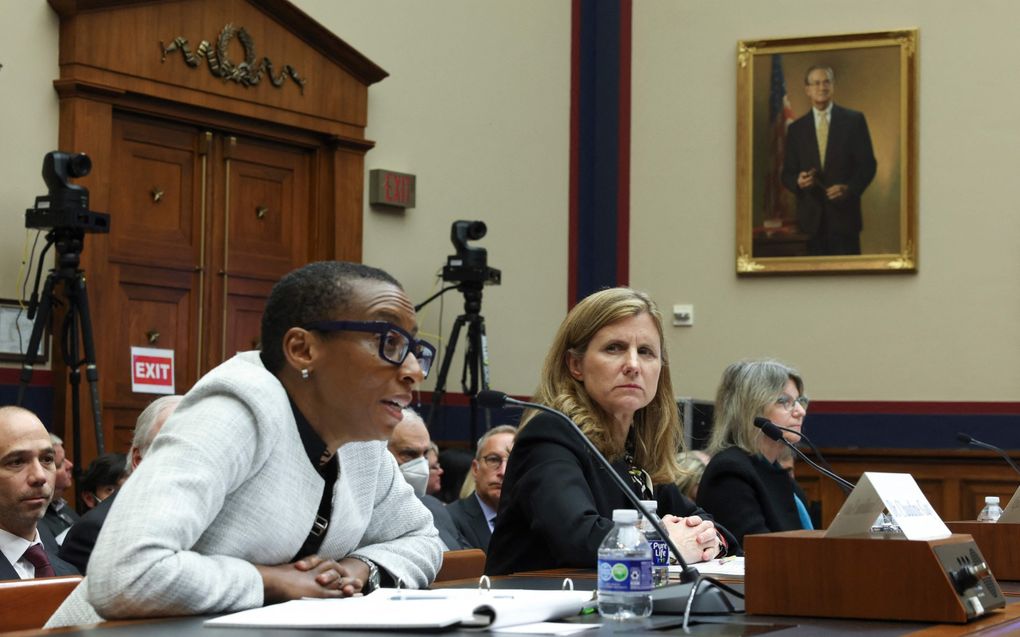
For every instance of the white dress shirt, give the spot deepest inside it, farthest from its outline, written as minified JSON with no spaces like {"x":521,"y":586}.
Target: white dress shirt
{"x":13,"y":547}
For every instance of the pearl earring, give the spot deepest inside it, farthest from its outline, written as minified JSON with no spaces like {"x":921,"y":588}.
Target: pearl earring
{"x":305,"y":373}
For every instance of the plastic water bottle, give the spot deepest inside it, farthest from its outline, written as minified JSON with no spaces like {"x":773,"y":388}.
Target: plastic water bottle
{"x":992,"y":510}
{"x":660,"y":550}
{"x":625,"y":570}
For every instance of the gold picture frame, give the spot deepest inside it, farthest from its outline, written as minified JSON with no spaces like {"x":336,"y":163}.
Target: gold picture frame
{"x":787,"y":221}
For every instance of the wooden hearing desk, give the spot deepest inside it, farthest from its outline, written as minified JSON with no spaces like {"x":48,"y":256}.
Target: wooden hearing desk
{"x":1002,"y":622}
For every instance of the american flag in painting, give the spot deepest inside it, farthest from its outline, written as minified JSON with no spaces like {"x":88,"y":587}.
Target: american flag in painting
{"x":780,"y":117}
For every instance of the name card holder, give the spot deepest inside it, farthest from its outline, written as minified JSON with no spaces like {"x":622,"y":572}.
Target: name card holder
{"x":921,"y":572}
{"x":804,"y":573}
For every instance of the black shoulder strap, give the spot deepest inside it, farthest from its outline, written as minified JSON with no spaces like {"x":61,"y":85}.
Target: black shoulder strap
{"x":322,"y":517}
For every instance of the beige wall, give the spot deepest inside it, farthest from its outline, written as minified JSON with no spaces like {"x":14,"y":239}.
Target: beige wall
{"x":477,"y":106}
{"x":951,"y":332}
{"x":28,"y":122}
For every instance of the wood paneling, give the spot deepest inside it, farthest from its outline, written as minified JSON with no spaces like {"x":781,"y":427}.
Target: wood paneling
{"x":215,"y":188}
{"x":955,"y":482}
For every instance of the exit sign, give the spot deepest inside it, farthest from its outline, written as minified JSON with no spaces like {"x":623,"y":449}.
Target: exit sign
{"x":390,"y":188}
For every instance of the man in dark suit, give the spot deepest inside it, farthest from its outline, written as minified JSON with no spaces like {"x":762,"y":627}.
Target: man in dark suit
{"x":82,"y":536}
{"x":27,"y":476}
{"x":829,"y":163}
{"x":59,"y":514}
{"x":410,"y":443}
{"x":475,"y":515}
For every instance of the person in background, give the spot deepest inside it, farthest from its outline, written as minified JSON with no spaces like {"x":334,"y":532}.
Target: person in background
{"x":744,"y":486}
{"x":410,"y":444}
{"x":271,"y":481}
{"x":435,"y":470}
{"x":475,"y":513}
{"x":608,"y":371}
{"x":81,"y":538}
{"x":829,"y":163}
{"x":102,"y":477}
{"x":456,"y":465}
{"x":27,"y":475}
{"x":692,"y":467}
{"x":59,"y":514}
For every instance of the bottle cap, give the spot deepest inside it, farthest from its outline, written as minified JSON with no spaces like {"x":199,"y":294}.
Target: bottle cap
{"x":991,"y":499}
{"x":626,"y":516}
{"x":650,"y":505}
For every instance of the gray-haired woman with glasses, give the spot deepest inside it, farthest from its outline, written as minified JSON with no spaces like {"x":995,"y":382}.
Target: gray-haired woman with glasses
{"x":272,"y":481}
{"x":744,"y":487}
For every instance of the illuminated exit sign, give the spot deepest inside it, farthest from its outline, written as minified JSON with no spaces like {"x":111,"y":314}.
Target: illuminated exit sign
{"x":390,"y":188}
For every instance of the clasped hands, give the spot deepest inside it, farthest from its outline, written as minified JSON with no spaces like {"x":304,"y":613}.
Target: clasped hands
{"x":313,"y":576}
{"x":809,"y":178}
{"x":696,"y":538}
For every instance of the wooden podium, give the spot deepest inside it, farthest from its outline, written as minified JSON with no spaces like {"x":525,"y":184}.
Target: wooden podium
{"x":999,"y":543}
{"x":868,"y":577}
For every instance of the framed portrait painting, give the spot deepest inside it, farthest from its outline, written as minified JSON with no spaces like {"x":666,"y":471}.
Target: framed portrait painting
{"x":827,"y":154}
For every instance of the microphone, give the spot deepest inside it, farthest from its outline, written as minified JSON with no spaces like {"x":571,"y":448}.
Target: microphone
{"x":494,"y":399}
{"x":968,"y":440}
{"x":775,"y":432}
{"x":803,"y":437}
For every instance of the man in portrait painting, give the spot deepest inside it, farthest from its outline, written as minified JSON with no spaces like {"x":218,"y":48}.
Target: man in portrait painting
{"x":828,"y":165}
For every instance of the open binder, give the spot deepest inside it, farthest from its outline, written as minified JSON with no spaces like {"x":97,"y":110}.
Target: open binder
{"x":404,"y":609}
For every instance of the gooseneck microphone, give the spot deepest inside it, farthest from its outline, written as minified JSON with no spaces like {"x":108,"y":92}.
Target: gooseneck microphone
{"x":968,"y":440}
{"x":803,"y":438}
{"x":495,"y":399}
{"x":775,"y":432}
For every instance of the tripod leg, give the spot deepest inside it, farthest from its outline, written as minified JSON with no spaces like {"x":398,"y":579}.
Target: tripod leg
{"x":444,"y":369}
{"x":469,"y":377}
{"x":483,"y":351}
{"x":69,"y":342}
{"x":79,"y":297}
{"x":42,"y":318}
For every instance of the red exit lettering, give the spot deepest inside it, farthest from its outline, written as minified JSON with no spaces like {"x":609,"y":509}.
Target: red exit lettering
{"x":152,"y":370}
{"x":397,"y":187}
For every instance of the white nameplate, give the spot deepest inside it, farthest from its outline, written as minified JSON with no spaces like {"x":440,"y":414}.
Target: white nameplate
{"x":899,"y":494}
{"x":1011,"y":512}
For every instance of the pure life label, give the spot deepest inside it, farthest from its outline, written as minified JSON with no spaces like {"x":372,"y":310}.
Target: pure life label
{"x":625,"y":576}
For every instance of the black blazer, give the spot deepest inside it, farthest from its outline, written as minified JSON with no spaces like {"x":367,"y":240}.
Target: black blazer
{"x":81,"y":538}
{"x":749,"y":494}
{"x":60,"y":567}
{"x":467,"y":514}
{"x":557,"y":502}
{"x":849,"y":159}
{"x":444,"y":523}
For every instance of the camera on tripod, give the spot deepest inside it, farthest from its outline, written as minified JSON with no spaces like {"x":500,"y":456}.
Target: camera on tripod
{"x":471,"y":263}
{"x":66,"y":206}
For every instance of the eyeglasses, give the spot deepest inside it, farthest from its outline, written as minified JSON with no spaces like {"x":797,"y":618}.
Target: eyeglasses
{"x":787,"y":403}
{"x":394,"y":342}
{"x":494,"y":460}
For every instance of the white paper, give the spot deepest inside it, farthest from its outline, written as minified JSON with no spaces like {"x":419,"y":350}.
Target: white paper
{"x":546,"y":628}
{"x":1011,"y":512}
{"x":733,"y":566}
{"x":899,"y":494}
{"x":389,"y":608}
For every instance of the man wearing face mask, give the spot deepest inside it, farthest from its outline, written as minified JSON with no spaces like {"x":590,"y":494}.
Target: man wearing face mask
{"x":409,"y":444}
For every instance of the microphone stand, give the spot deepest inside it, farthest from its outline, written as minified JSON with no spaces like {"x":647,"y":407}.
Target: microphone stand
{"x":964,"y":438}
{"x":803,"y":437}
{"x":688,"y":575}
{"x":775,"y":432}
